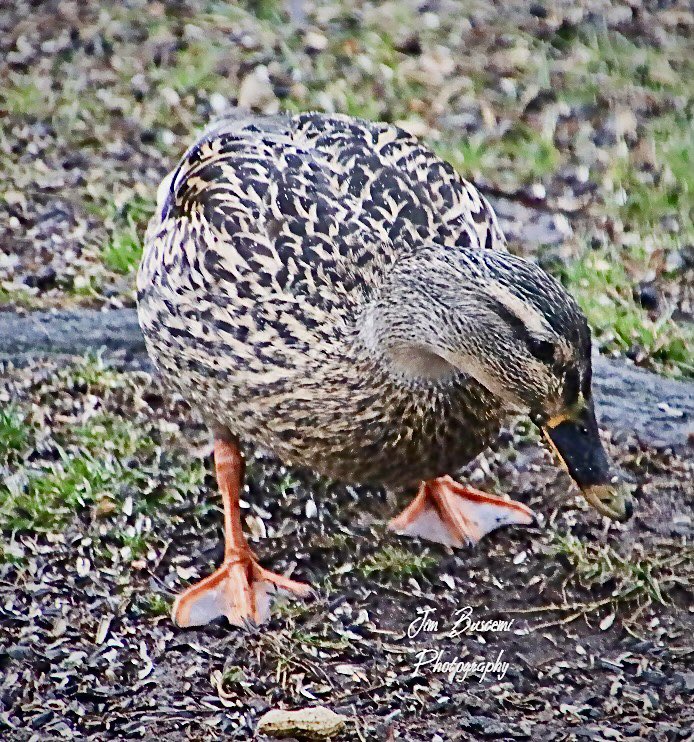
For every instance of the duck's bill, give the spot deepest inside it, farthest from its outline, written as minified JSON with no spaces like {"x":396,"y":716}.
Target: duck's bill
{"x":577,"y":443}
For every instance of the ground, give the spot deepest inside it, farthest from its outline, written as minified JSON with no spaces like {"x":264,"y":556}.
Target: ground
{"x":577,"y":121}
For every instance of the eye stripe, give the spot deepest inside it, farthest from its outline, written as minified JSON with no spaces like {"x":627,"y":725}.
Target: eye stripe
{"x":543,"y":350}
{"x":523,"y":311}
{"x":511,"y":319}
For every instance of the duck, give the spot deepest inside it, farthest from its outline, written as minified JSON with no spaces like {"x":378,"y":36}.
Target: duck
{"x":328,"y":289}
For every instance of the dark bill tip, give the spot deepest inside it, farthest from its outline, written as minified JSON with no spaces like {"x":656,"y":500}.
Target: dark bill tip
{"x":577,"y":443}
{"x":612,"y":500}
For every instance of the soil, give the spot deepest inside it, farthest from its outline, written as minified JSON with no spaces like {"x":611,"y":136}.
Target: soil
{"x":599,"y":648}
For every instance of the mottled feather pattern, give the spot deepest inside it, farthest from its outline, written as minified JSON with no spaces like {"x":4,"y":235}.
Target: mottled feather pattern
{"x":270,"y":238}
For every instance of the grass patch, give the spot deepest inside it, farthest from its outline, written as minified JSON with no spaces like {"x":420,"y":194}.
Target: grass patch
{"x":97,"y":460}
{"x":396,"y":562}
{"x":628,"y":63}
{"x":531,"y":155}
{"x":156,"y":604}
{"x":43,"y":500}
{"x":106,"y":433}
{"x":646,"y":578}
{"x":470,"y":156}
{"x":100,"y":461}
{"x":521,"y":152}
{"x":133,"y":544}
{"x":193,"y":69}
{"x":92,"y":373}
{"x":666,"y":191}
{"x":21,"y":96}
{"x":123,"y":253}
{"x":18,"y":297}
{"x":126,"y":224}
{"x":599,"y":282}
{"x":15,"y":432}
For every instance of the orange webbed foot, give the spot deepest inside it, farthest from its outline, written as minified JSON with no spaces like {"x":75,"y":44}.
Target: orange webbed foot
{"x":239,"y":589}
{"x":452,"y":514}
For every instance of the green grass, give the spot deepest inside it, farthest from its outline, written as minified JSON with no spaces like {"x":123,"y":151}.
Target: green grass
{"x":531,"y":155}
{"x":193,"y":69}
{"x":601,"y":285}
{"x":92,"y":372}
{"x":43,"y":500}
{"x":156,"y":604}
{"x":108,"y":433}
{"x":669,"y":190}
{"x":521,"y":151}
{"x":288,"y":483}
{"x":643,"y":577}
{"x":15,"y":432}
{"x":123,"y":252}
{"x":266,"y":10}
{"x":629,"y":63}
{"x":99,"y":460}
{"x":21,"y":96}
{"x":126,"y":226}
{"x":396,"y":562}
{"x":136,"y":544}
{"x":18,"y":297}
{"x":468,"y":156}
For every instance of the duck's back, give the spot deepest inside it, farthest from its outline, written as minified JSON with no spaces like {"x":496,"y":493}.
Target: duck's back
{"x":269,"y":236}
{"x":306,"y":189}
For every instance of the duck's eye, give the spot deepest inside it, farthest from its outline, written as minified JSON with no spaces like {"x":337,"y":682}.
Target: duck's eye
{"x":543,"y":350}
{"x":571,"y":386}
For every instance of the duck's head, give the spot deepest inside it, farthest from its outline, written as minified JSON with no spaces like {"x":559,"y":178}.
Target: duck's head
{"x":506,"y":323}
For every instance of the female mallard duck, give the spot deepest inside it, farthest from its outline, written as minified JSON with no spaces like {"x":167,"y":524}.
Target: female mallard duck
{"x":329,"y":289}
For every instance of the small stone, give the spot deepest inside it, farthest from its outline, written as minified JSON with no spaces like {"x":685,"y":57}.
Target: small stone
{"x":416,"y":127}
{"x":686,"y":679}
{"x":218,"y":103}
{"x":623,"y":123}
{"x":315,"y":41}
{"x":42,"y":719}
{"x":148,"y":136}
{"x":171,"y":97}
{"x":636,"y":353}
{"x":43,"y":279}
{"x":256,"y":91}
{"x":317,"y":722}
{"x":647,"y":296}
{"x":410,"y":45}
{"x":607,"y":622}
{"x":509,"y":60}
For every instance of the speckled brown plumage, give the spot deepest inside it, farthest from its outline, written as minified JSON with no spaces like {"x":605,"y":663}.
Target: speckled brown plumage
{"x":287,"y":265}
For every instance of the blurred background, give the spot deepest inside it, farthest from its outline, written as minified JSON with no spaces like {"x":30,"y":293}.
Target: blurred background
{"x":574,"y":118}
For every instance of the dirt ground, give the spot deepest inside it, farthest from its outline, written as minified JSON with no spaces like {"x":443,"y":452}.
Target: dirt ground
{"x":599,"y":648}
{"x":108,"y":504}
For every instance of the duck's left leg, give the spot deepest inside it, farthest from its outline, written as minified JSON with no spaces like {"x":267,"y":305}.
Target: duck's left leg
{"x":240,"y":589}
{"x":455,"y":515}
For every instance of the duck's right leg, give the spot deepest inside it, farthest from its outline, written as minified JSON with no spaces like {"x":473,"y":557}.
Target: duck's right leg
{"x":240,"y":589}
{"x":450,"y":513}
